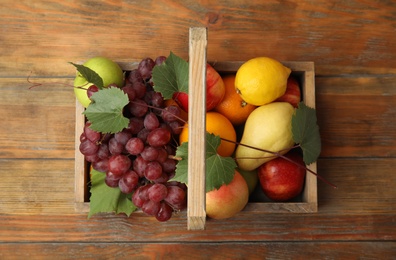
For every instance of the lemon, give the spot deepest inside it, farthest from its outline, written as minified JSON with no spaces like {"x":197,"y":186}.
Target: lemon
{"x":261,"y":80}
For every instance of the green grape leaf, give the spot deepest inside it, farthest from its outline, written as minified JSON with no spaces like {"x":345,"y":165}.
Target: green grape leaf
{"x":306,"y":132}
{"x":105,"y":199}
{"x":219,"y":170}
{"x":90,"y":75}
{"x":171,"y":76}
{"x":106,"y":110}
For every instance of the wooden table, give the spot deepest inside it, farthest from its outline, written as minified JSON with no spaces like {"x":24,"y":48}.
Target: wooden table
{"x":353,"y":46}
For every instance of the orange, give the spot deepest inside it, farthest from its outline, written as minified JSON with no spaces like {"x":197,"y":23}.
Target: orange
{"x":183,"y":114}
{"x":233,"y":106}
{"x":217,"y":124}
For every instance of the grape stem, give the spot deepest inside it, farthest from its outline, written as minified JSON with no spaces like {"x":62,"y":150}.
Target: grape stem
{"x":174,"y":157}
{"x":158,"y":108}
{"x":278,"y":154}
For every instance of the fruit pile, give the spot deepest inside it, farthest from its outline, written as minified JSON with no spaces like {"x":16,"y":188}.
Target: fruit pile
{"x":136,"y":133}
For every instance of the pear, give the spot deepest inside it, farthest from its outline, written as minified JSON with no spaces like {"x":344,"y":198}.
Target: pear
{"x":268,"y":127}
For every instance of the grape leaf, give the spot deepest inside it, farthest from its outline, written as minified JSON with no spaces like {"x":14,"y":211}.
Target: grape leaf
{"x":171,"y":76}
{"x":90,"y":75}
{"x":105,"y":199}
{"x":106,"y":110}
{"x":219,"y":170}
{"x":306,"y":132}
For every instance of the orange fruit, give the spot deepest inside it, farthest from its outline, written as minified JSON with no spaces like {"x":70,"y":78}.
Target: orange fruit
{"x":183,"y":114}
{"x":216,"y":124}
{"x":233,"y":106}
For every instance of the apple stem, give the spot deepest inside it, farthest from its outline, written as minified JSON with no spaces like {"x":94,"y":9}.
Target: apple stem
{"x":278,"y":154}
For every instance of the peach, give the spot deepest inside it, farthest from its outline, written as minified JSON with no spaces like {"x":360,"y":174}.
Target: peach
{"x":229,"y":199}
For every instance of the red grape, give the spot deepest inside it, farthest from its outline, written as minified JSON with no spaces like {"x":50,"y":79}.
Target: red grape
{"x":101,"y":165}
{"x":153,"y":171}
{"x":88,"y":148}
{"x":151,"y":208}
{"x":135,"y":125}
{"x":138,"y":108}
{"x":159,"y":60}
{"x":150,"y":153}
{"x":157,"y":192}
{"x":115,"y":147}
{"x":176,"y":197}
{"x":139,"y":166}
{"x":151,"y":121}
{"x":128,"y":182}
{"x":92,"y":135}
{"x":170,"y":113}
{"x":130,"y":91}
{"x":134,"y":146}
{"x":119,"y":164}
{"x":164,"y":213}
{"x":91,"y":90}
{"x":159,"y":137}
{"x":145,"y":68}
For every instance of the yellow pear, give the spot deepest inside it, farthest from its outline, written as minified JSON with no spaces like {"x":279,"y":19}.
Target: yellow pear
{"x":268,"y":127}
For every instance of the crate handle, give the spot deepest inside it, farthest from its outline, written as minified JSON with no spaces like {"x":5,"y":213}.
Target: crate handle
{"x":196,"y":214}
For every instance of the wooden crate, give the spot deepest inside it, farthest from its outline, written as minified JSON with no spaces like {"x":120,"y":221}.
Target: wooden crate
{"x":307,"y":202}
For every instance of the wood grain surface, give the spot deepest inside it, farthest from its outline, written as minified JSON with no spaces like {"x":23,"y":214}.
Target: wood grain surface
{"x":352,"y":44}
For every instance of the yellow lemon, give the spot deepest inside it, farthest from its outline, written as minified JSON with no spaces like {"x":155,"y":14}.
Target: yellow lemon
{"x":261,"y":80}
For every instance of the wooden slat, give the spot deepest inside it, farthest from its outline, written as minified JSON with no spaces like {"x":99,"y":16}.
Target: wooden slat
{"x":36,"y":186}
{"x":340,"y":37}
{"x":233,"y":250}
{"x":196,"y":214}
{"x":357,"y":116}
{"x":140,"y":228}
{"x":365,"y":186}
{"x":37,"y":123}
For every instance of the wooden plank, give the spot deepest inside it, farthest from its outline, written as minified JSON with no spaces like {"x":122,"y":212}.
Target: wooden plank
{"x":37,"y":123}
{"x":243,"y":228}
{"x":196,"y":214}
{"x":38,"y":205}
{"x":340,"y":37}
{"x":365,"y":186}
{"x":36,"y":186}
{"x":349,"y":111}
{"x":233,"y":250}
{"x":357,"y":116}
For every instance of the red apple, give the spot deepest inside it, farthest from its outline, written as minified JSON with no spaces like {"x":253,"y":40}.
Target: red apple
{"x":280,"y":179}
{"x":181,"y":99}
{"x":229,"y":199}
{"x":293,"y":92}
{"x":215,"y":91}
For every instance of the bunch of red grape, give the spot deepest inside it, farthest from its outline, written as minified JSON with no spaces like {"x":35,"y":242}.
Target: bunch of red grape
{"x":139,"y":159}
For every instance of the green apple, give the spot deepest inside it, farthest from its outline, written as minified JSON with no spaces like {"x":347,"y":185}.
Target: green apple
{"x":108,"y":70}
{"x":251,"y":178}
